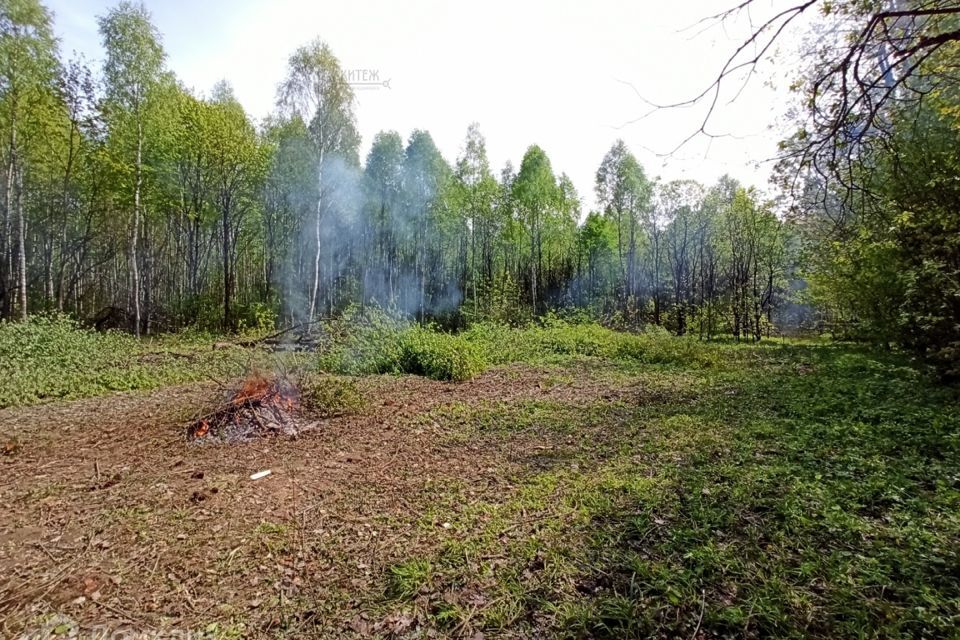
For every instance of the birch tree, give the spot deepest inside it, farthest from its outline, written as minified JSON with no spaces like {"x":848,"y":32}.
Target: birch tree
{"x":28,"y":68}
{"x":132,"y":70}
{"x":316,"y":91}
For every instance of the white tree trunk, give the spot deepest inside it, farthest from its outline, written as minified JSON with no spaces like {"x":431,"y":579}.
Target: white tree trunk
{"x":22,"y":247}
{"x":316,"y":257}
{"x":135,"y":232}
{"x":8,"y":239}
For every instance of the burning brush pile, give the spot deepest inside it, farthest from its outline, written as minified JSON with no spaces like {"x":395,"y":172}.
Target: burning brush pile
{"x":264,"y":405}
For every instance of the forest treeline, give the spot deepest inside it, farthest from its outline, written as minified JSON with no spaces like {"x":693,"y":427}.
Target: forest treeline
{"x":124,"y":191}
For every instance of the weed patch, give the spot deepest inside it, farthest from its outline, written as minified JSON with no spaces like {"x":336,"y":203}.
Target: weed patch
{"x":52,"y":358}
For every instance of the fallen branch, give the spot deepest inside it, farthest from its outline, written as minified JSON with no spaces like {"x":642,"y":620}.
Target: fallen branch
{"x":252,"y":342}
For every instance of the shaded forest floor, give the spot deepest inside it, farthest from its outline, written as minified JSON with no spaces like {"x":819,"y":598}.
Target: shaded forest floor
{"x":798,"y":490}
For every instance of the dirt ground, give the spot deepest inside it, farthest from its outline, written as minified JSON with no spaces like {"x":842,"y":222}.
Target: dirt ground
{"x":109,"y":519}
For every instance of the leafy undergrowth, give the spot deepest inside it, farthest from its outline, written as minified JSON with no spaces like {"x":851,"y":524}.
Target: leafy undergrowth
{"x":810,"y":491}
{"x":373,"y":341}
{"x":331,"y":396}
{"x":554,"y":339}
{"x":53,"y":359}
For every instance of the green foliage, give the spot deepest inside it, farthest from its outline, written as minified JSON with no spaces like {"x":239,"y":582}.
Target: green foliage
{"x":257,"y":317}
{"x":135,"y":55}
{"x":806,"y":492}
{"x":330,"y":396}
{"x":882,"y":231}
{"x":375,"y":341}
{"x":554,"y":337}
{"x":49,"y":358}
{"x":316,"y":92}
{"x":364,"y":341}
{"x":440,"y":356}
{"x":659,"y":347}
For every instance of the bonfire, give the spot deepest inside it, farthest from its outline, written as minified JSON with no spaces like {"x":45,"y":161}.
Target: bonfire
{"x":264,"y":405}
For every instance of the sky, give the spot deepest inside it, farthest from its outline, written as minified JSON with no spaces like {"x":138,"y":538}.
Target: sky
{"x":569,"y":76}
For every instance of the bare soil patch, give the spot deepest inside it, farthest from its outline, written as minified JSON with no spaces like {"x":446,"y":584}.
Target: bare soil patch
{"x":108,"y":515}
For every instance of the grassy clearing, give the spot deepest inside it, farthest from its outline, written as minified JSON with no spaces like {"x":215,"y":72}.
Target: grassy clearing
{"x":804,"y":491}
{"x":620,"y":486}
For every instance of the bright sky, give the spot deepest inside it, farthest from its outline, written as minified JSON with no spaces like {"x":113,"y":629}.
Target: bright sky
{"x":544,"y":72}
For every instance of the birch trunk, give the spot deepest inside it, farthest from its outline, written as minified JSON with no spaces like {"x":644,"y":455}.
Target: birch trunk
{"x":316,"y":257}
{"x":21,"y":247}
{"x":135,"y":231}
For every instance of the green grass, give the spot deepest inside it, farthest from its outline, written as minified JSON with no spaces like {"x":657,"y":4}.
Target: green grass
{"x":48,"y":359}
{"x":407,"y":579}
{"x":798,"y":491}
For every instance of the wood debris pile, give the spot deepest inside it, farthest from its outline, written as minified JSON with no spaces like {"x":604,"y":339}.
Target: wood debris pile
{"x":264,"y":405}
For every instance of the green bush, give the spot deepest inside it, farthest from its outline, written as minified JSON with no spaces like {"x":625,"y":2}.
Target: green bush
{"x":439,"y":356}
{"x":331,"y":396}
{"x":376,"y":341}
{"x":363,"y":342}
{"x":501,"y":344}
{"x":497,"y":343}
{"x":663,"y":348}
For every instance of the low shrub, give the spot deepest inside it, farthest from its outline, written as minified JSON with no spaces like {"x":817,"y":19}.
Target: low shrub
{"x":376,"y":341}
{"x":331,"y":396}
{"x":501,"y":344}
{"x":364,"y":342}
{"x":496,"y":343}
{"x":52,"y":357}
{"x":657,"y":348}
{"x":553,"y":336}
{"x":440,"y":356}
